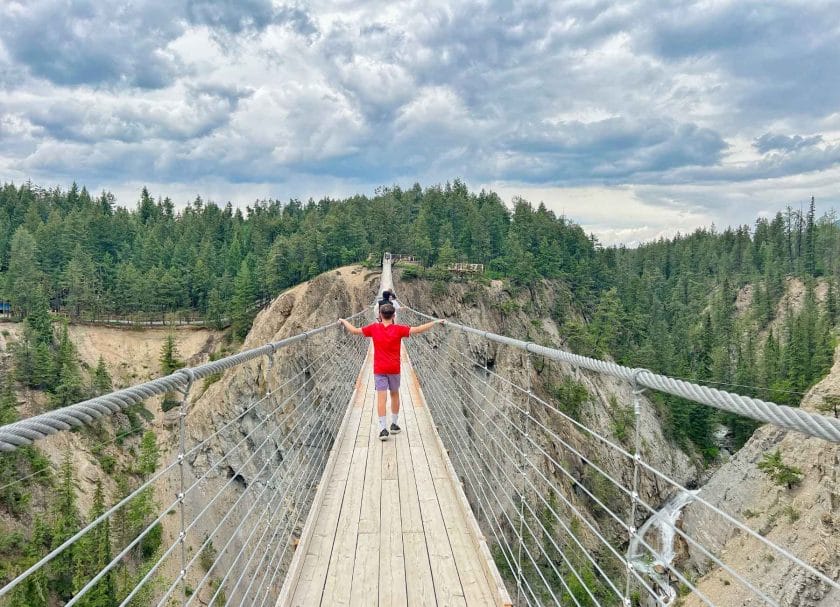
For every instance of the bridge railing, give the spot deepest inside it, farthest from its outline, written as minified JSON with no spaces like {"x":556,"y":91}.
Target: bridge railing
{"x":575,"y":515}
{"x":216,"y":522}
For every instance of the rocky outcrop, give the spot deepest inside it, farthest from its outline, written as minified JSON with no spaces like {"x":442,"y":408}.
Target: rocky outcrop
{"x":804,"y":519}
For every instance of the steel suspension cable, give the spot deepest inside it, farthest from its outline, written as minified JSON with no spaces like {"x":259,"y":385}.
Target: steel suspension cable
{"x":699,"y":499}
{"x":786,"y":417}
{"x":197,"y":482}
{"x":231,"y":509}
{"x":629,"y":493}
{"x":436,"y":391}
{"x":504,"y":452}
{"x":309,"y":471}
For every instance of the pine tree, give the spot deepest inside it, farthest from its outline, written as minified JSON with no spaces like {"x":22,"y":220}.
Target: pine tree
{"x":70,"y":389}
{"x":34,"y":590}
{"x":149,"y":454}
{"x":66,"y":522}
{"x":93,"y":555}
{"x":606,"y":323}
{"x":243,"y":299}
{"x":22,"y":274}
{"x":447,"y":255}
{"x":169,"y":356}
{"x":811,"y":241}
{"x":102,"y":383}
{"x":80,"y":282}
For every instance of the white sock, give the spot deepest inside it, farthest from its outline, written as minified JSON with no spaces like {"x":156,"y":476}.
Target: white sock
{"x":382,"y":422}
{"x":395,"y":417}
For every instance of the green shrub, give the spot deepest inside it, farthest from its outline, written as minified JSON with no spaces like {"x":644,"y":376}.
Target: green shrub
{"x":152,"y":541}
{"x":208,"y":554}
{"x":569,"y":395}
{"x":411,"y":273}
{"x":107,"y":463}
{"x":780,"y":473}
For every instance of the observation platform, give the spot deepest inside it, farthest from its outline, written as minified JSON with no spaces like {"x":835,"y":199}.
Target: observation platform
{"x":390,"y":524}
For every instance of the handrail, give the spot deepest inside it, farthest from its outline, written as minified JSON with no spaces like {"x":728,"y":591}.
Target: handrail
{"x":27,"y":431}
{"x":807,"y":422}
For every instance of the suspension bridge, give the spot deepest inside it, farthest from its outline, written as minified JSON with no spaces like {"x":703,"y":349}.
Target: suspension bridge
{"x":492,"y":494}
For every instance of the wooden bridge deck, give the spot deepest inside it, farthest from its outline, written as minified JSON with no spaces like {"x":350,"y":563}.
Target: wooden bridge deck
{"x":390,"y":524}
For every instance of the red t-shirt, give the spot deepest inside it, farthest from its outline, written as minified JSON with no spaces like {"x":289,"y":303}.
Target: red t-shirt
{"x":386,"y":346}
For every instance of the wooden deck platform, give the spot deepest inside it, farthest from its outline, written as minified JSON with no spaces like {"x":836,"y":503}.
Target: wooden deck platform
{"x":390,"y":524}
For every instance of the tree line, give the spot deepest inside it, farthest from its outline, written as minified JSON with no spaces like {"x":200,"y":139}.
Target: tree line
{"x":703,"y":305}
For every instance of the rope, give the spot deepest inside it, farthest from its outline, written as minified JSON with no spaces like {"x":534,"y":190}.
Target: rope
{"x":813,"y":424}
{"x":650,"y":508}
{"x":698,"y":499}
{"x":29,"y":430}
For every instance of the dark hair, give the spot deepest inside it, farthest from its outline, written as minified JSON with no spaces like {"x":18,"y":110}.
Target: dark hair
{"x":386,"y":310}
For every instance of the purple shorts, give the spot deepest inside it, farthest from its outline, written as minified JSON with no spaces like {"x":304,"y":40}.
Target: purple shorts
{"x":390,"y":382}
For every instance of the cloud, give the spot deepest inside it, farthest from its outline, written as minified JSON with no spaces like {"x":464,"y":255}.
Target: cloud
{"x":234,"y":16}
{"x":640,"y":96}
{"x":89,"y":42}
{"x":770,"y":142}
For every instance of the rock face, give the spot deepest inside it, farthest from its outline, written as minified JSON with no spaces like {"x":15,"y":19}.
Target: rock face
{"x":804,"y":519}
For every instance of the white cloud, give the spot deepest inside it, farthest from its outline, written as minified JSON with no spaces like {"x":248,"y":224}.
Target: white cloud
{"x":641,"y":118}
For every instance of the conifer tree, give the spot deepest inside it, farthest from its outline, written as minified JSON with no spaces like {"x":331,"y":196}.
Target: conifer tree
{"x":66,"y":521}
{"x":243,"y":298}
{"x":70,"y":388}
{"x":169,"y":356}
{"x":149,"y":454}
{"x":34,"y":590}
{"x":93,"y":555}
{"x":22,"y":274}
{"x":102,"y":383}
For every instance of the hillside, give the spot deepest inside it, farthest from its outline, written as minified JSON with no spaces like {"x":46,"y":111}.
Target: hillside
{"x":804,"y":519}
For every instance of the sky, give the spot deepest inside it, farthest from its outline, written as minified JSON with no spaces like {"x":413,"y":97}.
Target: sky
{"x":637,"y":119}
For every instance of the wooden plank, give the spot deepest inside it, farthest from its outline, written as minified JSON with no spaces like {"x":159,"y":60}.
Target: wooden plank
{"x":342,"y":559}
{"x":392,"y":577}
{"x":389,"y":458}
{"x":372,"y":489}
{"x":339,"y":458}
{"x":470,"y":571}
{"x":488,"y":564}
{"x":444,"y":571}
{"x":411,"y":520}
{"x":364,"y":589}
{"x":420,"y":589}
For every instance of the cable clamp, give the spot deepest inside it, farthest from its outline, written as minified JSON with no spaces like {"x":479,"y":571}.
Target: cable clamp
{"x":190,"y":375}
{"x":635,"y":379}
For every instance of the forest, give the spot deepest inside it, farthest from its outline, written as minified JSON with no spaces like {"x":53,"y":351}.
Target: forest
{"x":708,"y":306}
{"x":670,"y":305}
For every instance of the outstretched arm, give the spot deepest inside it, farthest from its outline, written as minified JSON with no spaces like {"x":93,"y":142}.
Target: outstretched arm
{"x":350,"y":327}
{"x":423,"y":328}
